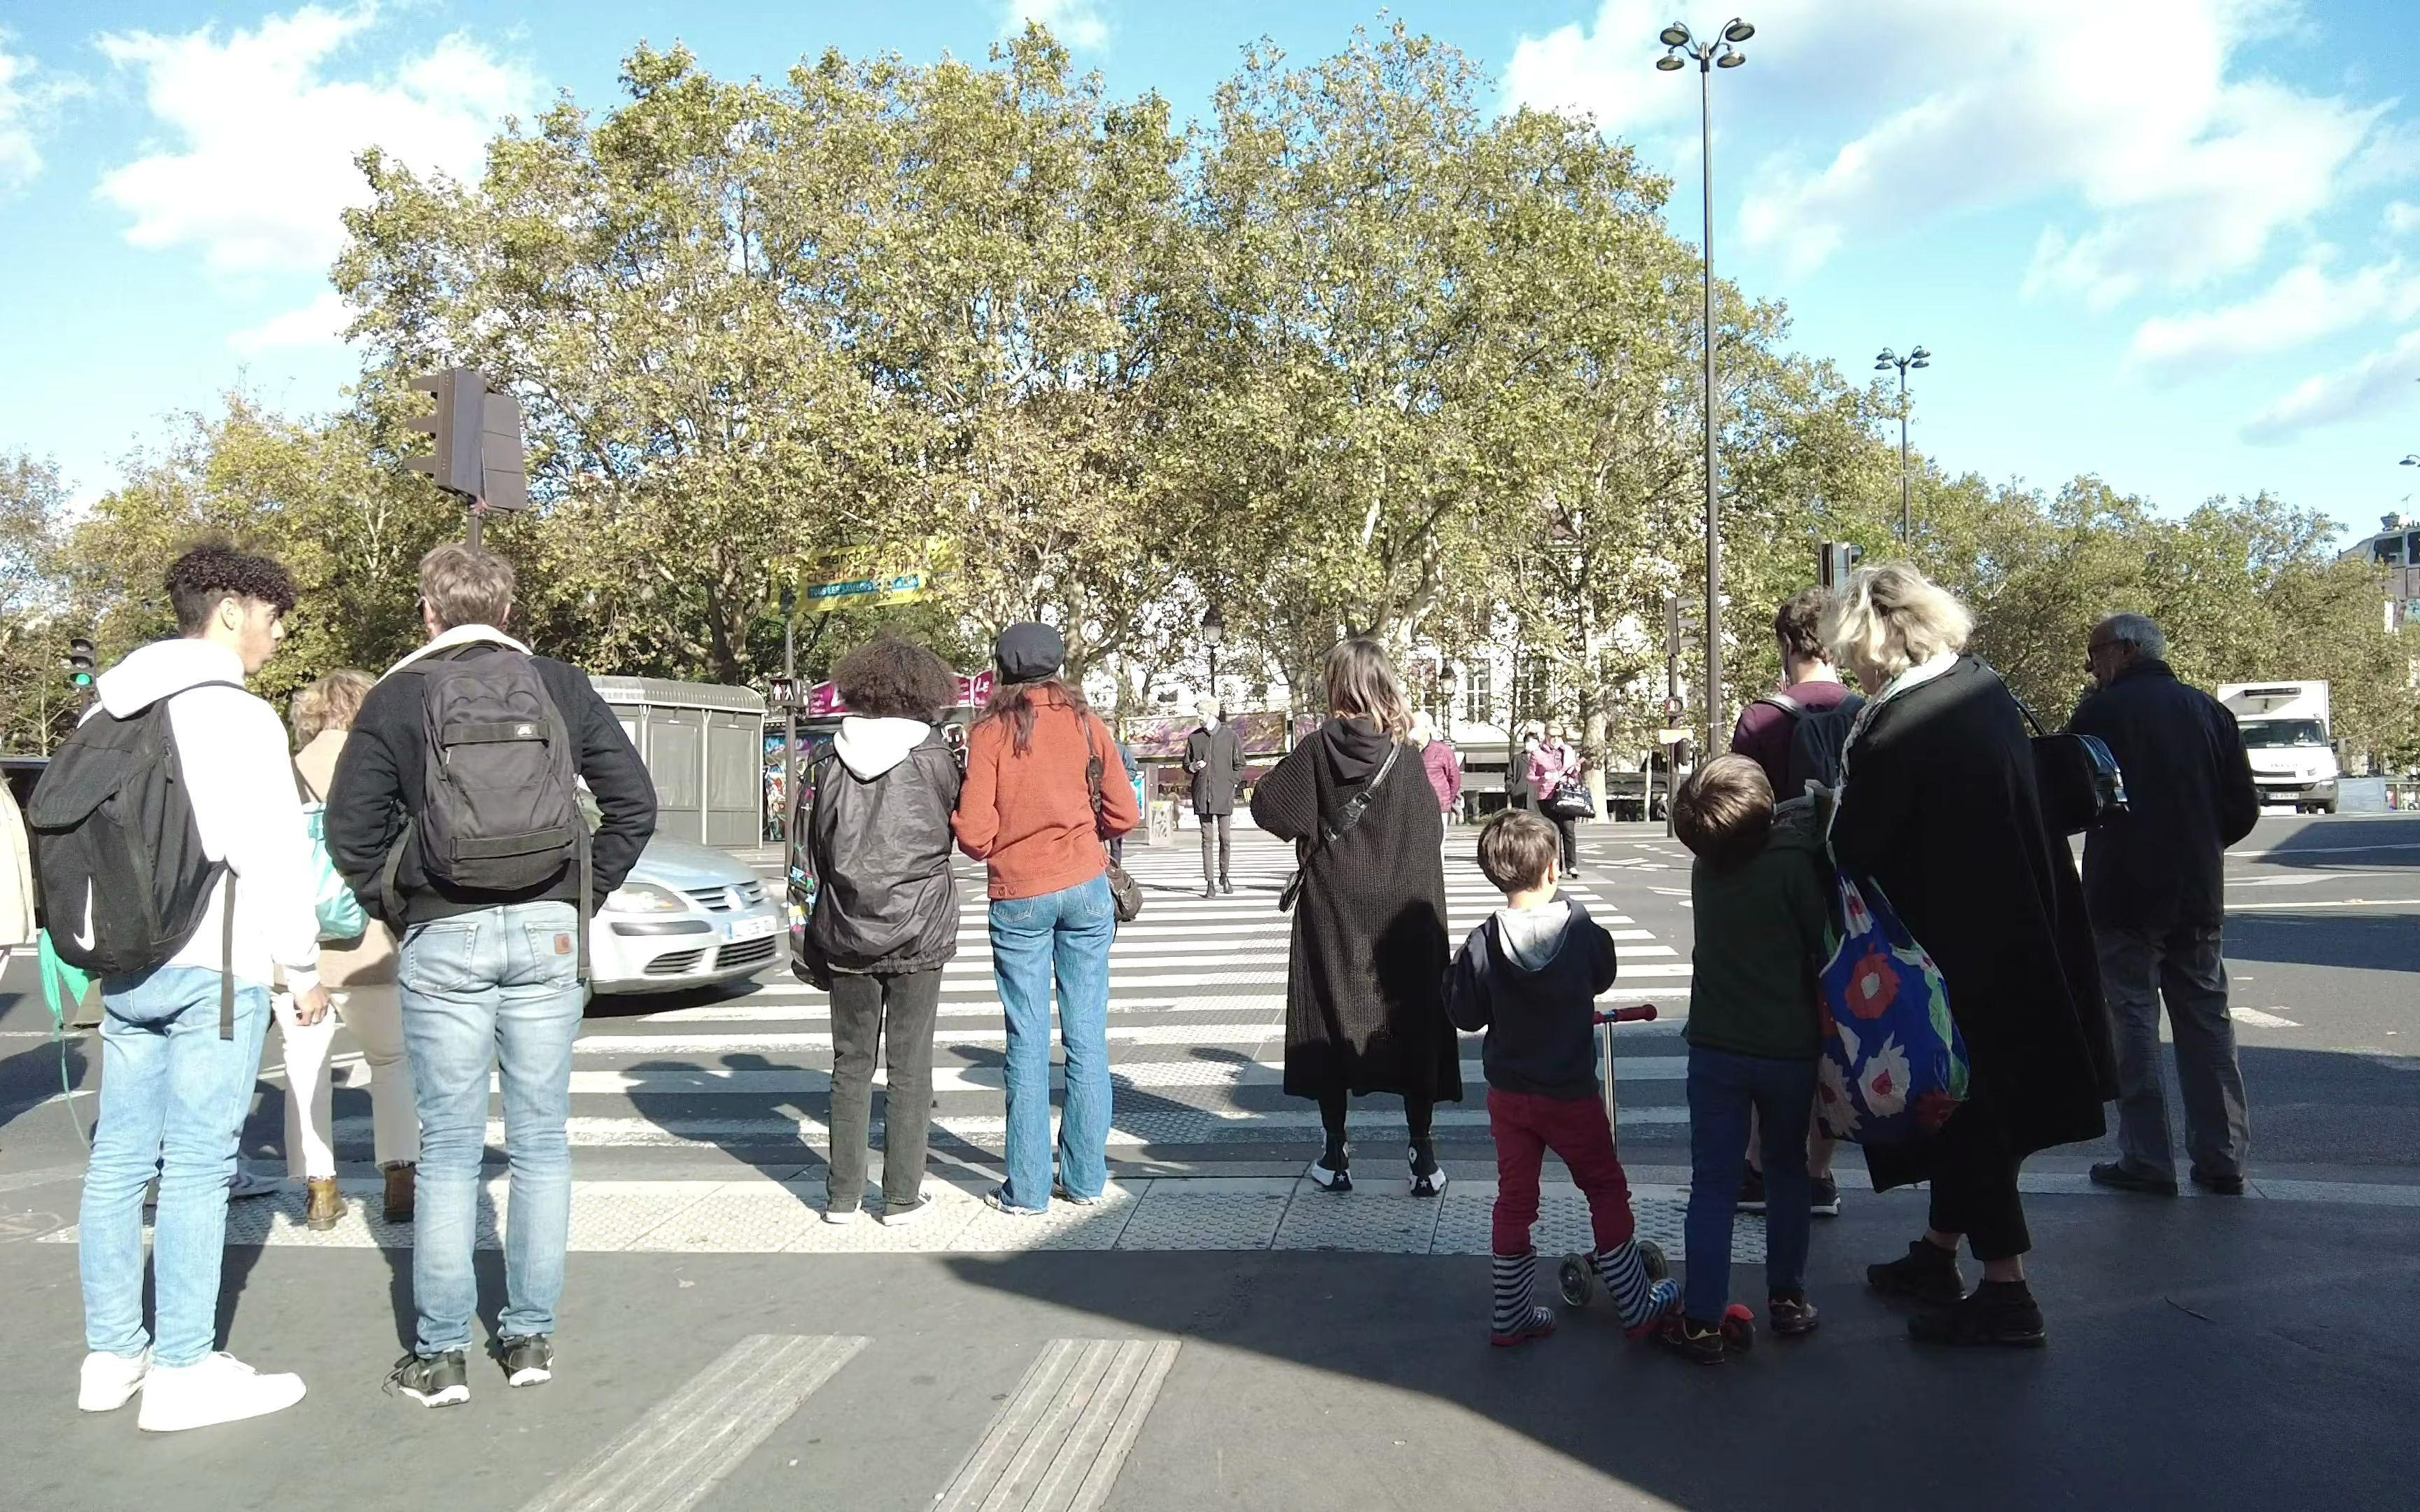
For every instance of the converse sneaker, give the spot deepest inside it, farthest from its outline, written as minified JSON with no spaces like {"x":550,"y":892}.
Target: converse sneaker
{"x":904,"y":1213}
{"x":432,"y":1380}
{"x":1428,"y":1180}
{"x":527,"y":1359}
{"x":217,"y":1388}
{"x":1331,"y":1173}
{"x":109,"y":1381}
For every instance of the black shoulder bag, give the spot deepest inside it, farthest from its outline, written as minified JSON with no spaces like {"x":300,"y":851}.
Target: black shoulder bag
{"x":1354,"y":807}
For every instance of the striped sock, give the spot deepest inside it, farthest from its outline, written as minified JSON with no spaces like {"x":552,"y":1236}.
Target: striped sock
{"x":1516,"y":1275}
{"x":1636,"y":1299}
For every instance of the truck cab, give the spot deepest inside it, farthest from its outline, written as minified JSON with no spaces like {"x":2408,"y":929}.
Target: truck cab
{"x":2287,"y":735}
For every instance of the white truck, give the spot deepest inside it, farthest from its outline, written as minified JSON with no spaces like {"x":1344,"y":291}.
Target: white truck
{"x":2286,"y":733}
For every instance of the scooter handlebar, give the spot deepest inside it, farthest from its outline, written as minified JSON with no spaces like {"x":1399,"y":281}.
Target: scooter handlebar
{"x":1636,"y":1013}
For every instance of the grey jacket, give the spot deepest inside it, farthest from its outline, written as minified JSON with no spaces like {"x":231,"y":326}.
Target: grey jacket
{"x":876,"y":864}
{"x":1221,"y":774}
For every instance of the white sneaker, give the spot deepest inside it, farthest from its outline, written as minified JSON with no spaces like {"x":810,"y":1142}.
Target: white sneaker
{"x":220,"y":1388}
{"x":110,"y":1381}
{"x":902,"y":1217}
{"x":842,"y":1216}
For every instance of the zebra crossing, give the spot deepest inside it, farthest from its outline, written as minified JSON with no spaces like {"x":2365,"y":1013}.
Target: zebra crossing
{"x":1196,"y":1037}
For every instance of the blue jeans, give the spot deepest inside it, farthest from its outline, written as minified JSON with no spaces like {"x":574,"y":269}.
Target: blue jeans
{"x":172,"y":1097}
{"x":1066,"y":934}
{"x":1722,"y":1089}
{"x":499,"y":987}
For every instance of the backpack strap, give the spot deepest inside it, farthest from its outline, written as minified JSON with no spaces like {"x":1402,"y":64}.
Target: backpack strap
{"x":1787,"y":704}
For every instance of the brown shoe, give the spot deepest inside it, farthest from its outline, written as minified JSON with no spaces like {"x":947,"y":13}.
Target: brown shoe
{"x":399,"y":1185}
{"x":327,"y":1209}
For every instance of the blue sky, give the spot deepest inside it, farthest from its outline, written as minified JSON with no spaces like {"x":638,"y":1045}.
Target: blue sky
{"x":2175,"y":242}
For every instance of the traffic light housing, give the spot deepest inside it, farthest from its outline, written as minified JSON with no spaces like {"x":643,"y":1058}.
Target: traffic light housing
{"x":1835,"y":561}
{"x":81,"y":665}
{"x":477,"y":437}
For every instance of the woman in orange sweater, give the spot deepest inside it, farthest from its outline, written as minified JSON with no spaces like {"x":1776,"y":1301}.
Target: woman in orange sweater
{"x":1026,"y":812}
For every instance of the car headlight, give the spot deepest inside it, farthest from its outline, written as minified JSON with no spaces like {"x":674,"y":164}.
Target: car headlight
{"x":644,"y":898}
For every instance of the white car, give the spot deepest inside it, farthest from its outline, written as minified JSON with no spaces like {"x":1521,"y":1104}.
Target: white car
{"x":686,"y":916}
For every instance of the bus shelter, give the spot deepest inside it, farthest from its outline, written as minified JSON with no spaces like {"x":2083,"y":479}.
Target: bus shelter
{"x":703,"y":745}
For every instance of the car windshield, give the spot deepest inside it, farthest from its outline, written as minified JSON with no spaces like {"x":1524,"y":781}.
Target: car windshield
{"x":2269,"y":735}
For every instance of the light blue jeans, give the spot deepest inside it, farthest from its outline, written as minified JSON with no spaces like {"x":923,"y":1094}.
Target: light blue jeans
{"x":173,"y":1096}
{"x":1064,"y":935}
{"x":499,"y":987}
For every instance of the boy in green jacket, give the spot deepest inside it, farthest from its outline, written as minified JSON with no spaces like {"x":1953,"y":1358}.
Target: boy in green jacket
{"x":1758,"y":892}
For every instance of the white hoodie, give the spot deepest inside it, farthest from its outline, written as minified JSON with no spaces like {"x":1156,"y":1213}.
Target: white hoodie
{"x":1534,"y":936}
{"x":240,"y":779}
{"x":870,"y":747}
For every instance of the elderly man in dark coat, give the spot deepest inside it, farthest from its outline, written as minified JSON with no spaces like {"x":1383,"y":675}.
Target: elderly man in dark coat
{"x":2152,"y":879}
{"x":1214,"y":755}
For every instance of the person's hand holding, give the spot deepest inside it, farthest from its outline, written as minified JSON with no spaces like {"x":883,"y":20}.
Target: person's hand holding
{"x":311,"y":1006}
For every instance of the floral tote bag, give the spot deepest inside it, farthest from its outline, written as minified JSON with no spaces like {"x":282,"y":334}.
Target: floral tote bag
{"x":1894,"y":1064}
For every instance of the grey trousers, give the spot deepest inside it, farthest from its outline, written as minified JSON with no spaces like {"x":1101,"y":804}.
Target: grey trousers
{"x":1216,"y":826}
{"x":867,"y":1011}
{"x":2185,"y":965}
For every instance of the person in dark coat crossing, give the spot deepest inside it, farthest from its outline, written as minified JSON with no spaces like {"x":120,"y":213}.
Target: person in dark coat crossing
{"x":1365,"y":982}
{"x":1938,"y":807}
{"x":1214,"y":755}
{"x":2152,"y":879}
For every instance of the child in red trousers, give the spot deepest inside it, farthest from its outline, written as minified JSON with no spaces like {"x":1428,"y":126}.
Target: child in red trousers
{"x":1530,"y":977}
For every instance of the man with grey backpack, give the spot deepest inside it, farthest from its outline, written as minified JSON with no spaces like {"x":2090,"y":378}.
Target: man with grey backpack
{"x":455,"y":816}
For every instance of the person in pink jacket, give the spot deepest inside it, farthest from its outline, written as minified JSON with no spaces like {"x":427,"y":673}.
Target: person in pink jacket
{"x":1551,"y":760}
{"x":1440,"y":760}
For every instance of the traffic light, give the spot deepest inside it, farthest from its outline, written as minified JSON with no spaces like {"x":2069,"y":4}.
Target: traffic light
{"x":477,"y":439}
{"x":784,"y":689}
{"x":1835,"y":561}
{"x":80,"y":663}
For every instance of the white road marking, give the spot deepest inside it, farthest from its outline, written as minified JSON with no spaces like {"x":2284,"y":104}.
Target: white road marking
{"x":2260,"y":1020}
{"x":670,"y":1458}
{"x":1064,"y":1434}
{"x":1202,"y":1075}
{"x":2290,"y":881}
{"x":2330,"y":902}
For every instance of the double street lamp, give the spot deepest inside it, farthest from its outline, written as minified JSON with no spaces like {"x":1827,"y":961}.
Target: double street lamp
{"x":1884,"y":361}
{"x":1719,"y":52}
{"x":1214,"y":634}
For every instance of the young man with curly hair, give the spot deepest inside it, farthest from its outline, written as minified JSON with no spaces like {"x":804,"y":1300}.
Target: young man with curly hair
{"x":176,"y":1064}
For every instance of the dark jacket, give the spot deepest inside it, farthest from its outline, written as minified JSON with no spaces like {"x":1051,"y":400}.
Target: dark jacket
{"x":1216,"y":783}
{"x":1541,"y":1025}
{"x":877,"y":863}
{"x":379,"y":781}
{"x":1760,"y":929}
{"x":2189,"y":796}
{"x":1365,"y":1005}
{"x":1940,"y":809}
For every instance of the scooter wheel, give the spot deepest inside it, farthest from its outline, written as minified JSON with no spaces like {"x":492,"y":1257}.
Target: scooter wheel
{"x":1578,"y":1283}
{"x":1651,"y":1255}
{"x":1739,"y":1329}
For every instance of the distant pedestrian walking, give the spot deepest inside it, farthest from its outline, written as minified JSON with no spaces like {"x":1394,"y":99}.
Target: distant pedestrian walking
{"x":1941,"y":809}
{"x":1555,"y":768}
{"x":1439,"y":760}
{"x":1026,"y":812}
{"x":1530,"y":977}
{"x":1365,"y":1011}
{"x":2152,"y":879}
{"x":1214,"y":755}
{"x":873,"y":827}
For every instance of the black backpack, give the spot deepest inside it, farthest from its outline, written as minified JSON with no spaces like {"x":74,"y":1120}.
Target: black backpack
{"x":500,"y":788}
{"x":1817,"y":737}
{"x":118,"y":855}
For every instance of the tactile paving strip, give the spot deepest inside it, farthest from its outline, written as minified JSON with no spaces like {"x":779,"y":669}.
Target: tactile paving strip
{"x":1167,"y":1220}
{"x":1368,"y":1222}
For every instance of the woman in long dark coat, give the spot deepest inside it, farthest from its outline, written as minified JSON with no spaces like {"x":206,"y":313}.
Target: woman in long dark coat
{"x":1365,"y":1005}
{"x":1938,"y":807}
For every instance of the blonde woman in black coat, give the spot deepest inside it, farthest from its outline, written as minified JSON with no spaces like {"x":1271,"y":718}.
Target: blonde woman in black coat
{"x":1365,"y":1004}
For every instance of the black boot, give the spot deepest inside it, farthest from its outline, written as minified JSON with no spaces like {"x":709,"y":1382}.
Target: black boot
{"x":1927,"y":1272}
{"x":2000,"y":1313}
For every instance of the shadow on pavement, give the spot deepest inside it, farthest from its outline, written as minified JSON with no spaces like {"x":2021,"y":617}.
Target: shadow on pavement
{"x":2370,"y":842}
{"x":2355,"y":942}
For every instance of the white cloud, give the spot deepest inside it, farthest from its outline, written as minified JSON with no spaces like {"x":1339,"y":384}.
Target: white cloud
{"x":2186,"y":167}
{"x":26,"y":106}
{"x":320,"y":323}
{"x":266,"y":137}
{"x":1080,"y":24}
{"x":2303,"y":306}
{"x":2381,"y":381}
{"x":2402,"y":218}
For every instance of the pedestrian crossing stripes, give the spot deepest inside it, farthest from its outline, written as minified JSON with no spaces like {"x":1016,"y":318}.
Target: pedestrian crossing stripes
{"x":1196,"y":1031}
{"x":1057,"y":1445}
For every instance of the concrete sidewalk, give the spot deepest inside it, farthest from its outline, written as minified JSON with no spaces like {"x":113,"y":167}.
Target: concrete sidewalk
{"x":2204,"y":1354}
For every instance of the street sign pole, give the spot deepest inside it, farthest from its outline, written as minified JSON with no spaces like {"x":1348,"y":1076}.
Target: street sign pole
{"x":1671,"y":703}
{"x":789,"y":717}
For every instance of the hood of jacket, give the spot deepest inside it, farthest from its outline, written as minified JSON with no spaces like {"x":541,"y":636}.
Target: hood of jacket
{"x":1532,"y":938}
{"x":1797,"y":827}
{"x":1355,"y":750}
{"x":461,"y":635}
{"x":870,"y":747}
{"x":152,"y":672}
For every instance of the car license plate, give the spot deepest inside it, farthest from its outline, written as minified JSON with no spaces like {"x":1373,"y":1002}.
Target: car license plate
{"x":751,"y":929}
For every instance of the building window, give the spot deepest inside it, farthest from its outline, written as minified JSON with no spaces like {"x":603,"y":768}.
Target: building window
{"x":1479,"y":691}
{"x":1532,"y":688}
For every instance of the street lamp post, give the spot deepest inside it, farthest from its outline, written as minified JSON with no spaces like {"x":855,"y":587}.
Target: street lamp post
{"x":1884,"y":361}
{"x":1214,"y":634}
{"x":1718,"y":52}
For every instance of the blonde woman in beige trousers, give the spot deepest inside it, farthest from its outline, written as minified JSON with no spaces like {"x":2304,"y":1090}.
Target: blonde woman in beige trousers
{"x":359,"y":978}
